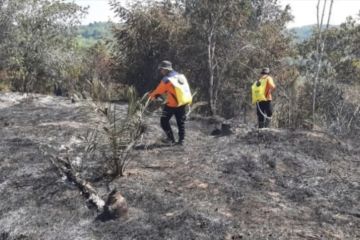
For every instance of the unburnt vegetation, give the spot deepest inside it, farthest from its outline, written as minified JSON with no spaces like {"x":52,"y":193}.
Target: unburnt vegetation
{"x":83,"y":160}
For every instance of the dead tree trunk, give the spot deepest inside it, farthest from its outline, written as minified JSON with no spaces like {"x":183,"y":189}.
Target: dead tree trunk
{"x":320,"y":46}
{"x":115,"y":205}
{"x":211,"y":67}
{"x":88,"y":191}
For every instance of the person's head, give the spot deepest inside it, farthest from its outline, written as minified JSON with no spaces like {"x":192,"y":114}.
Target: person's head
{"x":165,"y":67}
{"x":265,"y":70}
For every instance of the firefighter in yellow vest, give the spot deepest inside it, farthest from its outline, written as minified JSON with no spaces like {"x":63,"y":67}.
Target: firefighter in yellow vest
{"x":261,"y":96}
{"x":176,"y":88}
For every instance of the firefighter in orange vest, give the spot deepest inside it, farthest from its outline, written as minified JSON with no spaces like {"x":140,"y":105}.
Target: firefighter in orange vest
{"x":172,"y":107}
{"x":261,"y":96}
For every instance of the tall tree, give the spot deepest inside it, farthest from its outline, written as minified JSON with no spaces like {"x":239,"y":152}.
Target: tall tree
{"x":148,"y":33}
{"x":231,"y":33}
{"x":320,"y":46}
{"x":216,"y":24}
{"x":7,"y":9}
{"x":42,"y":41}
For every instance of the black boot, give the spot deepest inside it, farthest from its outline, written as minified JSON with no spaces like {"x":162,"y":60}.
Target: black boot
{"x":261,"y":124}
{"x":267,"y":123}
{"x":170,"y":137}
{"x":165,"y":124}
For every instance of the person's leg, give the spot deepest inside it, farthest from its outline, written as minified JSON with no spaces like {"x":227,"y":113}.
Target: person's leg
{"x":165,"y":122}
{"x":260,"y":116}
{"x":268,"y":111}
{"x":180,"y":115}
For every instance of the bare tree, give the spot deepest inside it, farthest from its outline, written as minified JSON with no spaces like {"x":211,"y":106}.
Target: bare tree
{"x":218,"y":24}
{"x":320,"y":46}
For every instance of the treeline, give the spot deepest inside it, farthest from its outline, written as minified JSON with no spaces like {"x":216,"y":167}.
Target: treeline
{"x":90,"y":34}
{"x":219,"y":45}
{"x":96,"y":30}
{"x":39,"y":49}
{"x":303,"y":33}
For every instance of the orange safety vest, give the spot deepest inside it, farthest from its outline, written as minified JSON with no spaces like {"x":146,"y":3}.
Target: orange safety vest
{"x":168,"y":86}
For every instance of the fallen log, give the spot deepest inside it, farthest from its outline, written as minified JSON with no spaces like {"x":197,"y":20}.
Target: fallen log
{"x":115,"y":205}
{"x":86,"y":189}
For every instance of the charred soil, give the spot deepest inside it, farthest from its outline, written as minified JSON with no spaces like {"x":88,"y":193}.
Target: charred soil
{"x":268,"y":184}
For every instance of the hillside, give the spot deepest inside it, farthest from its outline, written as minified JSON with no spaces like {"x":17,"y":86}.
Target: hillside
{"x":302,"y":33}
{"x":89,"y":34}
{"x":268,"y":184}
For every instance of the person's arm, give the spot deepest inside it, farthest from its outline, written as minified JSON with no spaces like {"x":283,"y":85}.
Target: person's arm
{"x":159,"y":90}
{"x":271,"y":83}
{"x":270,"y":86}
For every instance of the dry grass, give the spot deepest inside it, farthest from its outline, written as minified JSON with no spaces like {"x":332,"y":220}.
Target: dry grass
{"x":4,"y":87}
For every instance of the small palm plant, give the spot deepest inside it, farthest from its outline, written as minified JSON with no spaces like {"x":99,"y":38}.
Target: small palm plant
{"x":124,"y":133}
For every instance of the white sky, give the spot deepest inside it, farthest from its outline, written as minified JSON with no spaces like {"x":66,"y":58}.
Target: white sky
{"x":304,"y":11}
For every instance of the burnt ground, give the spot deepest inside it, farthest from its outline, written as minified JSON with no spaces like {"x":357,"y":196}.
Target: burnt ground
{"x":269,"y":184}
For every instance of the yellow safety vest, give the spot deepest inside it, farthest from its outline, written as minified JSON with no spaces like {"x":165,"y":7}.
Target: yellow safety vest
{"x":182,"y":89}
{"x":258,"y":92}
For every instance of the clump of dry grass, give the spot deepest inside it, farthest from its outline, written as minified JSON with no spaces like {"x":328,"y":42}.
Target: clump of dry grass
{"x":98,"y":90}
{"x":4,"y":87}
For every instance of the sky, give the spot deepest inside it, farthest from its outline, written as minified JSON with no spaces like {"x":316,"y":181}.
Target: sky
{"x":304,"y":11}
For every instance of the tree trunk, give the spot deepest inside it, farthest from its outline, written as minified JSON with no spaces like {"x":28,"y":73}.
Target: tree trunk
{"x":319,"y":51}
{"x":211,"y":67}
{"x":88,"y":191}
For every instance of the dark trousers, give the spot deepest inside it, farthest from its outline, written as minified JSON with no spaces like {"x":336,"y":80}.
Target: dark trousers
{"x":266,"y":109}
{"x":180,"y":116}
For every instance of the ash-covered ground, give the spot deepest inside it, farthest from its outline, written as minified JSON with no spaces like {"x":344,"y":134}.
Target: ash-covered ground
{"x":268,"y":184}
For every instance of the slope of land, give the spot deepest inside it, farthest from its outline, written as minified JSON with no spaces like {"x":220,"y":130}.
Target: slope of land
{"x":269,"y":184}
